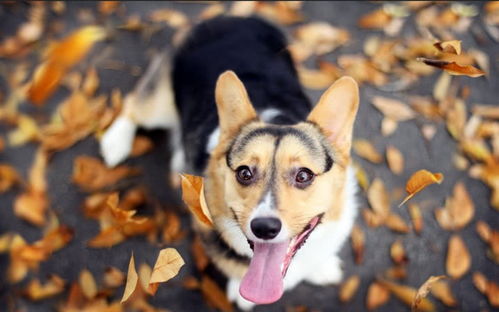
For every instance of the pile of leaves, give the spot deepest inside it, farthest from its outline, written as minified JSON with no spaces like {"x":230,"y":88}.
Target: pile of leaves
{"x":42,"y":58}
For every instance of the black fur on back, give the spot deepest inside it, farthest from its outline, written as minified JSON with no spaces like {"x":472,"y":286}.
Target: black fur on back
{"x":257,"y":52}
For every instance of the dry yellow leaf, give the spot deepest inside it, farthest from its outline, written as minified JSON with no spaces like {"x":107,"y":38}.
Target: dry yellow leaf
{"x":388,"y":126}
{"x":486,"y":111}
{"x":395,"y":223}
{"x":407,"y":294}
{"x":418,"y":181}
{"x":395,"y":159}
{"x":318,"y":79}
{"x":167,"y":266}
{"x":113,"y":277}
{"x":442,"y":291}
{"x":193,"y":197}
{"x":131,"y":280}
{"x":36,"y":291}
{"x":366,"y":150}
{"x":458,"y":260}
{"x":416,"y":217}
{"x":487,"y":287}
{"x":87,"y":284}
{"x":27,"y":131}
{"x":423,"y":291}
{"x":349,"y":288}
{"x":377,"y":19}
{"x":441,"y":88}
{"x":9,"y":177}
{"x":378,"y":198}
{"x":397,"y":252}
{"x":393,"y":109}
{"x":451,"y":46}
{"x":321,"y":37}
{"x":377,"y":295}
{"x":361,"y":176}
{"x":458,"y":211}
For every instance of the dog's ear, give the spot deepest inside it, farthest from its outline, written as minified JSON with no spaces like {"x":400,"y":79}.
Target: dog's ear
{"x":233,"y":104}
{"x":335,"y":113}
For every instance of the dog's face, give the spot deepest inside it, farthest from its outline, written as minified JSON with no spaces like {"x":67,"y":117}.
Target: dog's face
{"x":268,"y":187}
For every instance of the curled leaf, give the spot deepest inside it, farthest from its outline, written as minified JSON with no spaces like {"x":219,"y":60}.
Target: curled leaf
{"x":418,"y":181}
{"x":407,"y":294}
{"x":193,"y":197}
{"x":424,"y":290}
{"x":451,"y":46}
{"x":453,"y":68}
{"x":131,"y":280}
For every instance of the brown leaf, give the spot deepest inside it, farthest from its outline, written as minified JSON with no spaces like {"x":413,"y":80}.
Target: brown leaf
{"x":377,"y":295}
{"x":91,"y":174}
{"x":458,"y":258}
{"x":418,"y":181}
{"x":366,"y":150}
{"x":131,"y":280}
{"x":91,"y":83}
{"x":215,"y":296}
{"x":190,"y":283}
{"x":193,"y":197}
{"x":348,"y":288}
{"x":167,"y":266}
{"x":441,"y":290}
{"x":107,"y":238}
{"x":378,"y":198}
{"x":393,"y":109}
{"x":416,"y":217}
{"x":9,"y":177}
{"x":87,"y":284}
{"x":357,"y":238}
{"x":451,"y":46}
{"x":172,"y":230}
{"x":141,"y":145}
{"x":113,"y":277}
{"x":458,"y":211}
{"x":36,"y":291}
{"x":395,"y":159}
{"x":407,"y":294}
{"x":60,"y":58}
{"x":453,"y":68}
{"x":397,"y":272}
{"x":424,"y":290}
{"x":397,"y":253}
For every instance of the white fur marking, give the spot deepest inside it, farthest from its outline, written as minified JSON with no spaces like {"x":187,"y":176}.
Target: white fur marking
{"x":116,"y":143}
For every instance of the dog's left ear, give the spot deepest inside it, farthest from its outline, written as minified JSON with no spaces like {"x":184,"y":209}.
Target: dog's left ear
{"x":335,"y":113}
{"x":233,"y":105}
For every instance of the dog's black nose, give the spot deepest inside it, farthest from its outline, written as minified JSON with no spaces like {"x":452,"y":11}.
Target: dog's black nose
{"x":266,"y":228}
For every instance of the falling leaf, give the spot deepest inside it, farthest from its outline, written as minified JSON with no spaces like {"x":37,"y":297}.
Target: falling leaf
{"x":9,"y":177}
{"x":60,"y":58}
{"x":407,"y":294}
{"x":378,"y":198}
{"x":416,"y":217}
{"x":441,"y":290}
{"x":458,"y":258}
{"x":193,"y":197}
{"x":87,"y":284}
{"x":113,"y":277}
{"x":397,"y":253}
{"x":167,"y":266}
{"x":214,"y":296}
{"x":349,"y":288}
{"x":451,"y":46}
{"x":131,"y":280}
{"x":358,"y":240}
{"x":366,"y":150}
{"x":453,"y":68}
{"x":141,"y":145}
{"x":395,"y":159}
{"x":424,"y":290}
{"x":418,"y":181}
{"x":91,"y":174}
{"x":458,"y":211}
{"x":36,"y":291}
{"x":377,"y":295}
{"x":393,"y":109}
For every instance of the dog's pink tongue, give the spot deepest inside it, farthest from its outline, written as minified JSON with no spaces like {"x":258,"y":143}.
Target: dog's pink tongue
{"x":263,"y":282}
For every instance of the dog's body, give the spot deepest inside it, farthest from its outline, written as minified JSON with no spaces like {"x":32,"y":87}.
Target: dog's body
{"x":273,"y":176}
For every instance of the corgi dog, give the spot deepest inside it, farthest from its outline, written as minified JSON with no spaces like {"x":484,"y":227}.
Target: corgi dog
{"x":277,"y":176}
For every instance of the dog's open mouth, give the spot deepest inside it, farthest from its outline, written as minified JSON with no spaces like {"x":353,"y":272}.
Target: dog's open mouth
{"x":263,"y":282}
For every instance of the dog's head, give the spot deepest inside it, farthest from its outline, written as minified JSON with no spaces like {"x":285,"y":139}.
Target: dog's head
{"x":268,"y":186}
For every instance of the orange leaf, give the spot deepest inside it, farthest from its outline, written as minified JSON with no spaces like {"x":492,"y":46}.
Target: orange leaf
{"x":193,"y":197}
{"x":167,"y":266}
{"x":87,"y":284}
{"x":366,"y":150}
{"x":131,"y":280}
{"x":395,"y":159}
{"x":377,"y":295}
{"x":441,"y":290}
{"x":397,"y":252}
{"x":8,"y":177}
{"x":458,"y":211}
{"x":141,"y":145}
{"x":407,"y":294}
{"x":453,"y":68}
{"x":458,"y":260}
{"x":349,"y":288}
{"x":36,"y":291}
{"x":418,"y":181}
{"x":424,"y":290}
{"x":378,"y":198}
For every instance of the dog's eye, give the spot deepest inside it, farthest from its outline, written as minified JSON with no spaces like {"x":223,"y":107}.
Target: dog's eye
{"x":244,"y":175}
{"x":304,"y":177}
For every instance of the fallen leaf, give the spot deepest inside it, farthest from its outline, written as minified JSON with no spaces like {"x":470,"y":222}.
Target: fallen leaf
{"x":397,"y":272}
{"x":91,"y":174}
{"x":108,"y":7}
{"x":212,"y":11}
{"x":190,"y":283}
{"x":377,"y":19}
{"x":167,"y":266}
{"x":388,"y":126}
{"x":442,"y":291}
{"x":441,"y":88}
{"x":393,"y":109}
{"x":487,"y":287}
{"x":366,"y":150}
{"x":173,"y":18}
{"x":458,"y":260}
{"x":318,"y":79}
{"x":348,"y":288}
{"x":283,"y":12}
{"x":378,"y":198}
{"x":60,"y":58}
{"x":357,"y":238}
{"x":418,"y":181}
{"x":371,"y":218}
{"x":27,"y":131}
{"x":172,"y":230}
{"x":36,"y":291}
{"x":453,"y":68}
{"x":451,"y":46}
{"x":377,"y":295}
{"x":491,"y":237}
{"x":458,"y":211}
{"x":321,"y":37}
{"x":407,"y":294}
{"x":395,"y":159}
{"x":416,"y":217}
{"x":361,"y":176}
{"x":424,"y":290}
{"x":486,"y":111}
{"x":397,"y":253}
{"x":242,"y":8}
{"x":113,"y":277}
{"x":131,"y":280}
{"x":193,"y":197}
{"x":91,"y":83}
{"x":214,"y":296}
{"x":87,"y":284}
{"x":9,"y":177}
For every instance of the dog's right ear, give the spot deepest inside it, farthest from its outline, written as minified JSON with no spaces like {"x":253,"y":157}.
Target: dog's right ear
{"x":233,"y":105}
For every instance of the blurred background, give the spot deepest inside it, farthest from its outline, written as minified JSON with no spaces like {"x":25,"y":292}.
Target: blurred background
{"x":427,"y":102}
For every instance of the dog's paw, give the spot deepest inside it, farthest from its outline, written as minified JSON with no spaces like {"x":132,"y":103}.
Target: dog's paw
{"x":234,"y":296}
{"x":328,"y":272}
{"x":116,"y":143}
